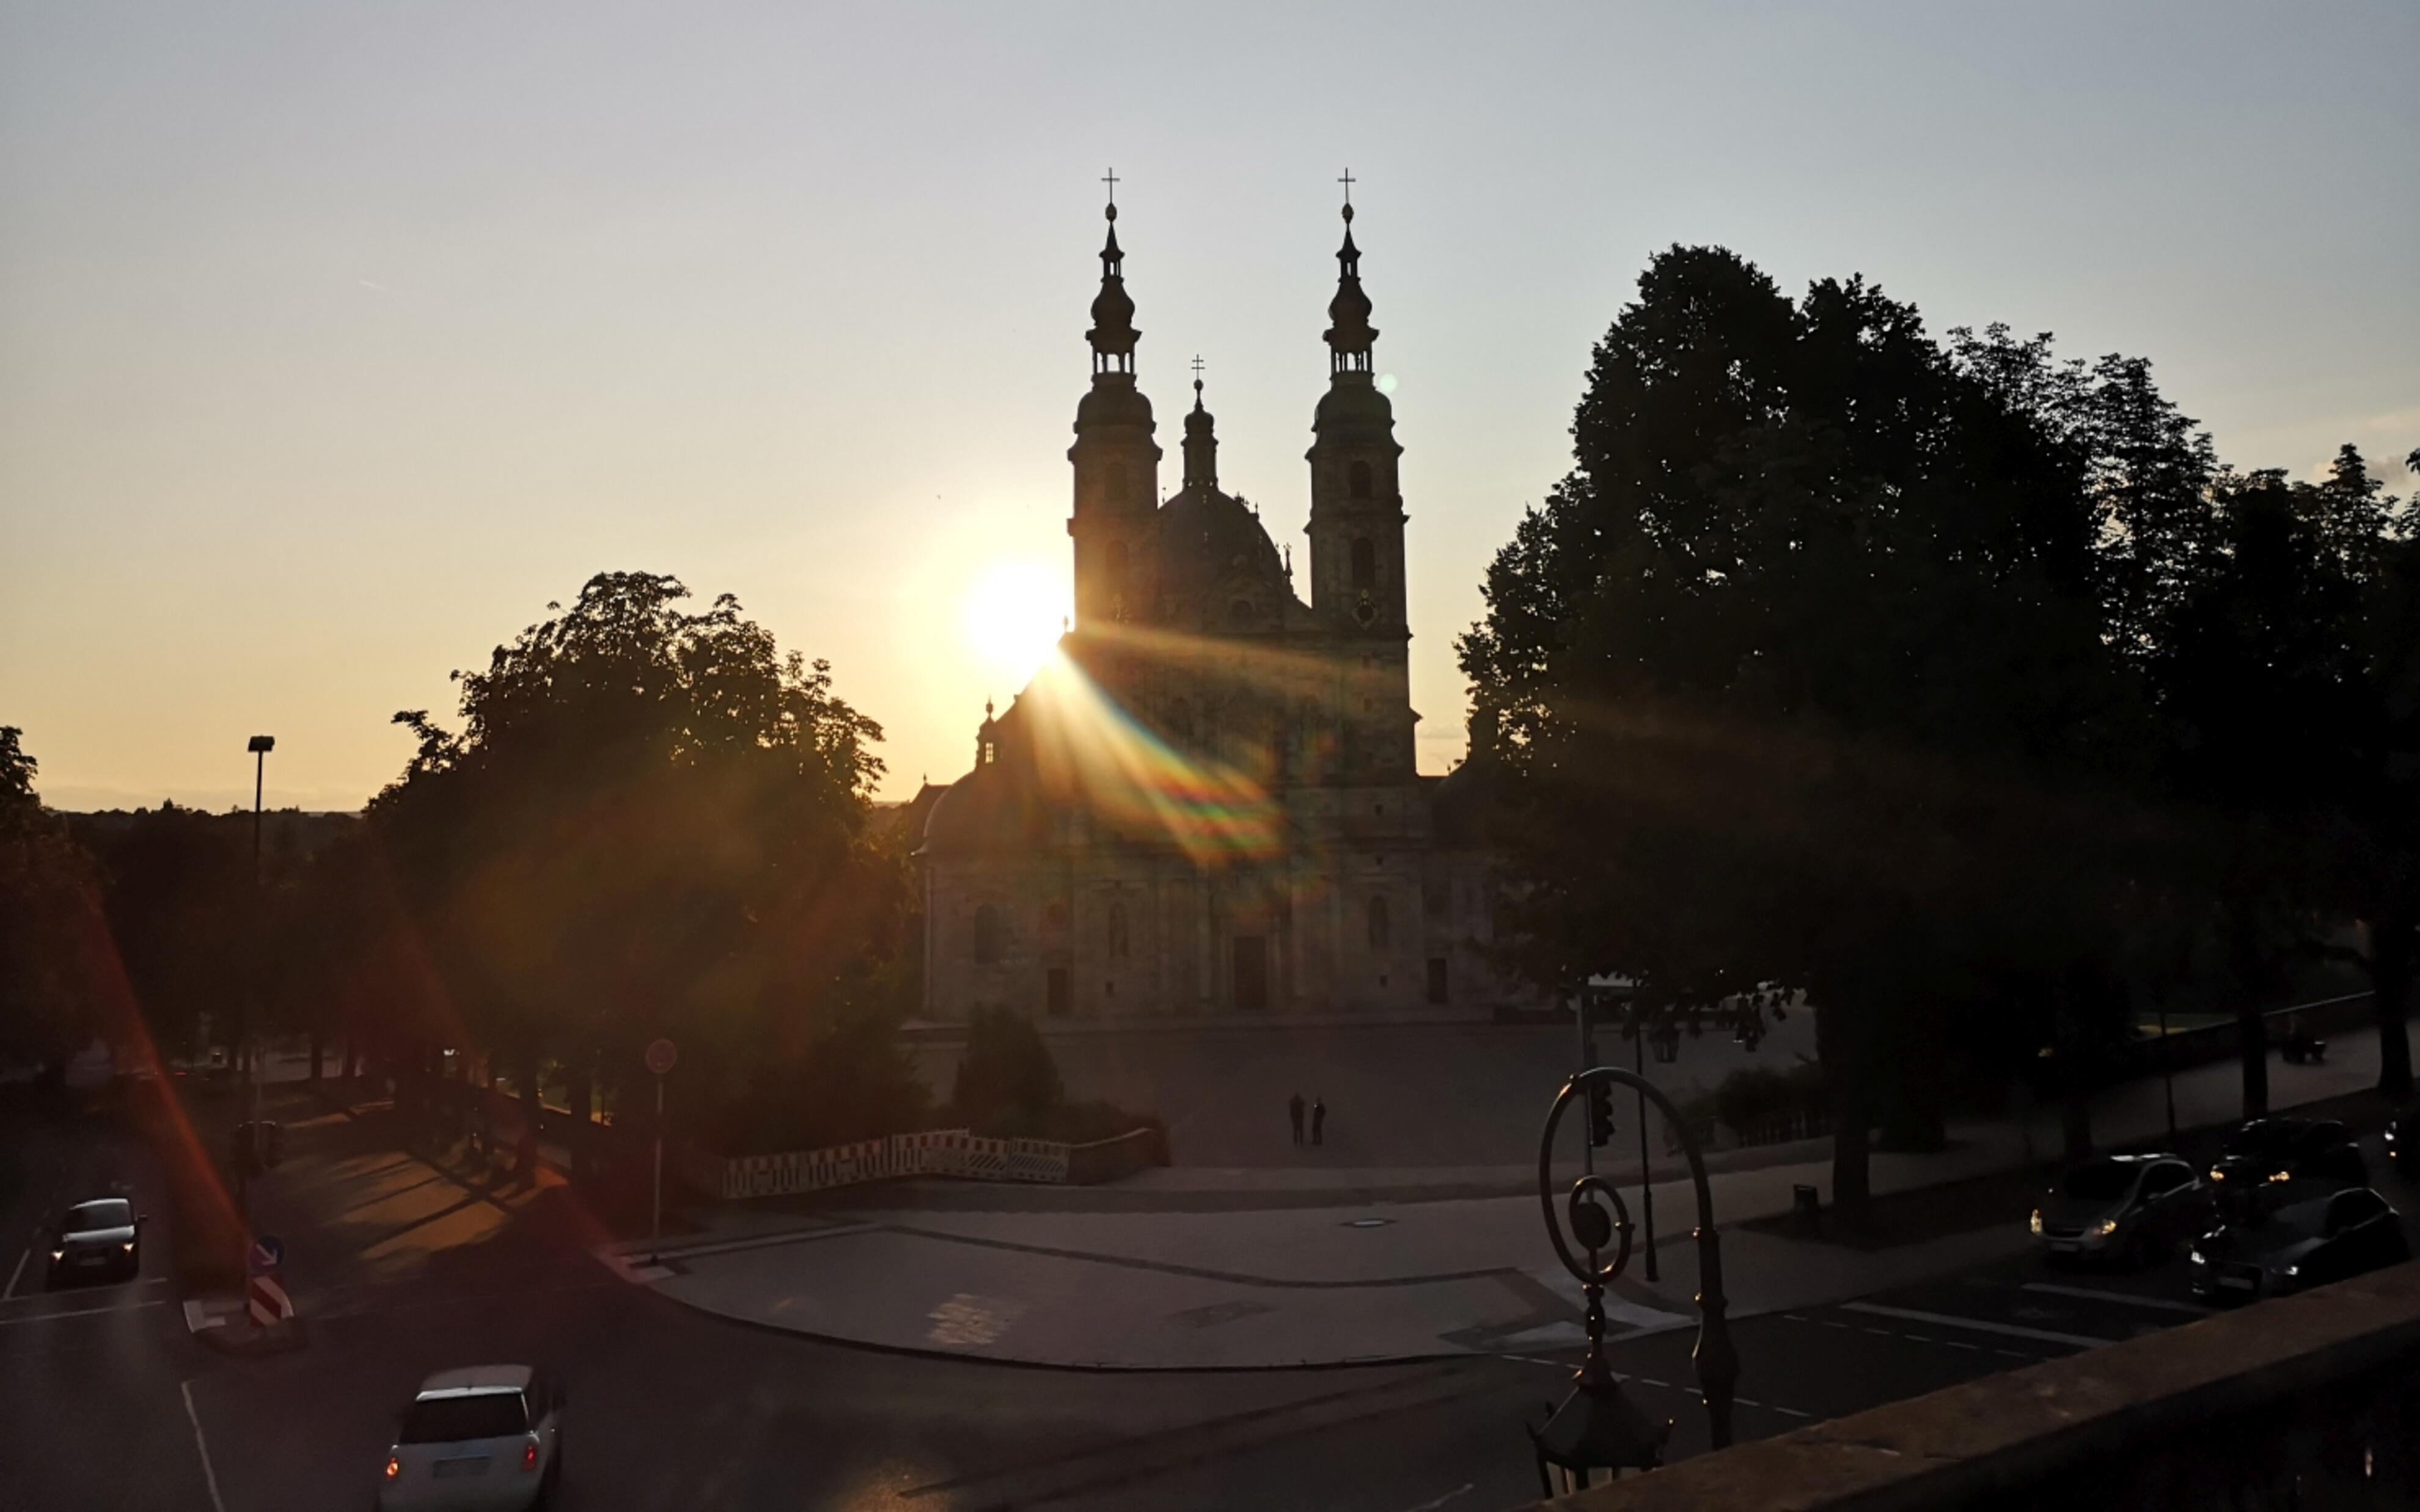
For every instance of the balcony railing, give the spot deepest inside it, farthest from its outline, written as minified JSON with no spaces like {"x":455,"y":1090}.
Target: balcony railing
{"x":2308,"y":1402}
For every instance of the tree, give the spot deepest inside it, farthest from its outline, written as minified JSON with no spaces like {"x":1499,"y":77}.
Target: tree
{"x":2275,"y":729}
{"x":1805,"y":676}
{"x":1007,"y":1084}
{"x":53,"y":993}
{"x":652,"y":822}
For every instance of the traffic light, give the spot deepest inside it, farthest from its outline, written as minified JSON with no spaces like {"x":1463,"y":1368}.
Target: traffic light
{"x":1600,"y":1102}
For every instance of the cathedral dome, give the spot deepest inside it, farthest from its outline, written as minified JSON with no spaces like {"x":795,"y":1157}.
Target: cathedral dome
{"x":1205,"y":535}
{"x":989,"y":808}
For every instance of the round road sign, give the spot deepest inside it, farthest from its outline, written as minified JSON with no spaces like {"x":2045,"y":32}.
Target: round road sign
{"x":660,"y":1056}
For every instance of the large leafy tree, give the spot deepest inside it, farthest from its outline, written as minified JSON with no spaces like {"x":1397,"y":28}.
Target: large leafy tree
{"x":1807,"y":674}
{"x":51,"y":981}
{"x":653,"y":822}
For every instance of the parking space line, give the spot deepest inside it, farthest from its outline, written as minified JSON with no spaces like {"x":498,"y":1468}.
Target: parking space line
{"x":77,"y":1312}
{"x":10,"y":1290}
{"x":209,"y":1476}
{"x":2083,"y":1341}
{"x":2091,"y":1294}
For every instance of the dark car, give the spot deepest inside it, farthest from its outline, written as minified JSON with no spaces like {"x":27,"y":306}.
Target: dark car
{"x":2302,"y":1240}
{"x":97,"y":1240}
{"x":2289,"y":1149}
{"x":2129,"y":1208}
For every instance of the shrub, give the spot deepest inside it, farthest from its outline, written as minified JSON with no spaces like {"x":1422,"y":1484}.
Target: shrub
{"x":1007,"y":1085}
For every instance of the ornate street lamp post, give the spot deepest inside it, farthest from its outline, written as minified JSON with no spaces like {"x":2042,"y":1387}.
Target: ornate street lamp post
{"x":1597,"y":1427}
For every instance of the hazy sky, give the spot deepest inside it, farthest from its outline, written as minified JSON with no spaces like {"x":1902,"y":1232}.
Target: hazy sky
{"x":335,"y":340}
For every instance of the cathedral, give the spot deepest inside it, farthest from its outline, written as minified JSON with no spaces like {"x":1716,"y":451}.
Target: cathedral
{"x":1206,"y":803}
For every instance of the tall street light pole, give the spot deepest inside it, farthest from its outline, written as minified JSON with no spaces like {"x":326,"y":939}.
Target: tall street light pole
{"x":260,"y":746}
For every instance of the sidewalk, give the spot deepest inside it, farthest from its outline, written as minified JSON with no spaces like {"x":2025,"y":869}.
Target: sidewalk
{"x":1367,"y":1277}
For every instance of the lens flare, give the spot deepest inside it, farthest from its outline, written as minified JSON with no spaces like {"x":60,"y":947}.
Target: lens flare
{"x":1091,"y":753}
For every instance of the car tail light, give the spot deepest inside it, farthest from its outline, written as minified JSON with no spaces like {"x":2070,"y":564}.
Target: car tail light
{"x":394,"y":1467}
{"x":529,"y":1455}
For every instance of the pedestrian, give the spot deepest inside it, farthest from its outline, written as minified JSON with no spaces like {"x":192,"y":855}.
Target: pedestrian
{"x":1294,"y":1115}
{"x":1319,"y":1121}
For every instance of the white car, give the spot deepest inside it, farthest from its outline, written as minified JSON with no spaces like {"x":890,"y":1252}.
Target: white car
{"x":490,"y":1436}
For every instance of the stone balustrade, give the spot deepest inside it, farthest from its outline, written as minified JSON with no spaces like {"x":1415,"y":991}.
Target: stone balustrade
{"x":2309,"y":1402}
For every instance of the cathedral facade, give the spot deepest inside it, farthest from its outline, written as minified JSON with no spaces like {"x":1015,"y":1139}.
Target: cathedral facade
{"x":1207,"y":803}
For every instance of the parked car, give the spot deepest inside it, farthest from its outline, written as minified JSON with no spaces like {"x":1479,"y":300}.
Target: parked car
{"x":2289,"y":1149}
{"x":2400,"y":1130}
{"x":97,"y":1240}
{"x":485,"y":1437}
{"x":2302,"y":1240}
{"x":2129,"y":1208}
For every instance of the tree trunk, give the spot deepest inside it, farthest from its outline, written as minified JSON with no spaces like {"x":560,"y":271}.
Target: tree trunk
{"x":583,"y":1096}
{"x":2074,"y":1083}
{"x":2390,"y":975}
{"x":1852,"y":1177}
{"x":2252,"y":1028}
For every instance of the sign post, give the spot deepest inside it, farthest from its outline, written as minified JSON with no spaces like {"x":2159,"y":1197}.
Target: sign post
{"x":661,"y":1057}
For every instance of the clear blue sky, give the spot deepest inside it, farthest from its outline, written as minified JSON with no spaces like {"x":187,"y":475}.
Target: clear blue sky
{"x":335,"y":340}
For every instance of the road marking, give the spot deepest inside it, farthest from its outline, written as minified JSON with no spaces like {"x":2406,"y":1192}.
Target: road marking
{"x":2090,"y":1294}
{"x":11,"y":1289}
{"x":1961,"y":1344}
{"x":1463,"y":1490}
{"x":1793,"y":1412}
{"x":1885,"y":1333}
{"x":78,"y":1312}
{"x":628,"y":1255}
{"x":209,"y":1476}
{"x":2016,"y":1354}
{"x":2082,"y":1341}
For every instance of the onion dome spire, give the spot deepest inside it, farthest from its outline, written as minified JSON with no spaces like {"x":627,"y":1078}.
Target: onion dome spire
{"x":1200,"y":441}
{"x":1350,"y":335}
{"x":1113,"y":333}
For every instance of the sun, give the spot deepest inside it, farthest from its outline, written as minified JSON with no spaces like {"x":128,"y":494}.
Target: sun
{"x":1014,"y":611}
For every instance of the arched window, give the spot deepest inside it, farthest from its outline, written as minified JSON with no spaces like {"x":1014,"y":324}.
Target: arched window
{"x":1378,"y":930}
{"x":987,"y":936}
{"x":1117,"y":931}
{"x":1239,"y":614}
{"x":1359,"y":484}
{"x":1365,"y":563}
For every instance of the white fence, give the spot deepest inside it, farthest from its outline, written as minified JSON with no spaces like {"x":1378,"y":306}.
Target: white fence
{"x":936,"y":1153}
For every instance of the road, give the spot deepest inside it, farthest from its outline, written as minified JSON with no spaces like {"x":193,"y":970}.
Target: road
{"x":105,"y":1401}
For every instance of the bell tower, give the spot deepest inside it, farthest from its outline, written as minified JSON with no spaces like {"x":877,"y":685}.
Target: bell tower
{"x":1116,"y":461}
{"x":1356,"y":509}
{"x":1356,"y":536}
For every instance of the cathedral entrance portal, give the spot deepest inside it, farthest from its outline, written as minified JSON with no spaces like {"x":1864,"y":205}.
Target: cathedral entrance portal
{"x":1251,"y":971}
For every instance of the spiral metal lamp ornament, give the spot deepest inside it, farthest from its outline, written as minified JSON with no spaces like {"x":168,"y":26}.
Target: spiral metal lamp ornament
{"x":1597,"y":1427}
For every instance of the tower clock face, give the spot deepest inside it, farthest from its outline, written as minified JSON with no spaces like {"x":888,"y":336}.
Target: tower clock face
{"x":1363,"y":609}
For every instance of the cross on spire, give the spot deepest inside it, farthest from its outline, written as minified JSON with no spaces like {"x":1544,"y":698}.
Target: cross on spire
{"x":1347,"y":182}
{"x":1196,"y":372}
{"x":1110,"y":178}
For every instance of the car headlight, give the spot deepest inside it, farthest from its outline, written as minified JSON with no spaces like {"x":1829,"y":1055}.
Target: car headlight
{"x":2217,"y":1175}
{"x":2108,"y":1226}
{"x":2035,"y":1222}
{"x":2281,"y":1176}
{"x":128,"y":1246}
{"x":58,"y":1254}
{"x":2293,"y":1270}
{"x":2390,"y":1136}
{"x":2195,"y":1256}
